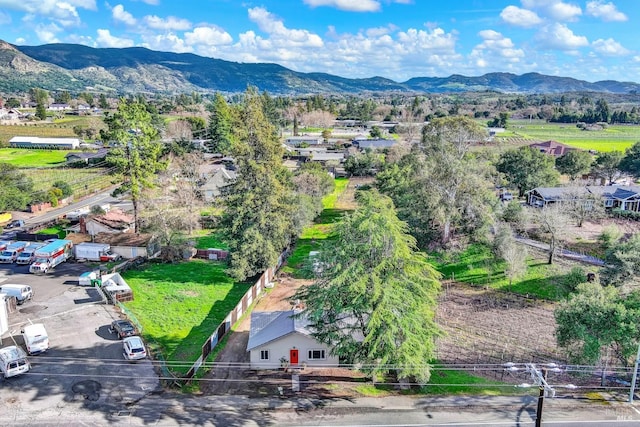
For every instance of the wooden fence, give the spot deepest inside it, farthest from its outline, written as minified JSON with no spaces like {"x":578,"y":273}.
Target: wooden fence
{"x":225,"y":326}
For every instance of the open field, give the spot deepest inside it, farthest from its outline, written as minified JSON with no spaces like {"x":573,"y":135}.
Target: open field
{"x":82,"y":181}
{"x":178,"y":305}
{"x":23,"y":157}
{"x":616,"y":137}
{"x":50,"y":130}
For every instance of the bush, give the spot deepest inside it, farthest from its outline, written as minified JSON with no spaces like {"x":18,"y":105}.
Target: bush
{"x":610,"y":235}
{"x":574,"y":278}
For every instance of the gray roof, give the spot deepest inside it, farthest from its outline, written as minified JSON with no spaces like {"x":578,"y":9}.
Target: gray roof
{"x":323,"y":157}
{"x":375,"y":143}
{"x":611,"y":191}
{"x":268,"y":326}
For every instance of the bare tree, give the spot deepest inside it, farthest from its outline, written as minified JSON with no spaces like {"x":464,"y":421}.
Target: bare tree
{"x":553,"y":221}
{"x":583,"y":206}
{"x":179,"y":130}
{"x":318,"y":118}
{"x":513,"y":253}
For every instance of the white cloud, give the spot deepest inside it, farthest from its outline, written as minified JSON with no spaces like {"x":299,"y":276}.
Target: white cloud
{"x":47,"y":33}
{"x":80,"y":39}
{"x":520,"y":17}
{"x":20,"y":41}
{"x":166,"y":43}
{"x":609,"y":47}
{"x":63,"y":12}
{"x":207,"y":36}
{"x":5,"y":18}
{"x":151,"y":2}
{"x":105,"y":39}
{"x":555,"y":9}
{"x":496,"y":50}
{"x":286,"y":37}
{"x":560,"y":37}
{"x":348,"y":5}
{"x":605,"y":11}
{"x":120,"y":15}
{"x":170,"y":23}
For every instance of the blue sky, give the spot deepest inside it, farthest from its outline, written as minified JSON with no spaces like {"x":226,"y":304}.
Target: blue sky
{"x":398,"y":39}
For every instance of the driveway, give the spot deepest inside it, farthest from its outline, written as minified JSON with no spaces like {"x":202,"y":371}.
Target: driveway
{"x":84,"y":363}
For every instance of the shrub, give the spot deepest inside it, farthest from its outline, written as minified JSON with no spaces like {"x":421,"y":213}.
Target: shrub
{"x":610,"y":235}
{"x":574,"y":278}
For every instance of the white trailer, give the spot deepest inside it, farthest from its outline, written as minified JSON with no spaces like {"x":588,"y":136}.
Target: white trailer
{"x":95,"y":252}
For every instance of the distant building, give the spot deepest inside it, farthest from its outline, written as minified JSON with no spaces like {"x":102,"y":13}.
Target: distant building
{"x":44,"y":143}
{"x":553,"y":148}
{"x":59,"y":107}
{"x":87,"y":156}
{"x":296,"y":141}
{"x":374,"y":144}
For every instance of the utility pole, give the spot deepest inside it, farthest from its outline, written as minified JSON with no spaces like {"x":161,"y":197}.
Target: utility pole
{"x":635,"y":376}
{"x":541,"y":399}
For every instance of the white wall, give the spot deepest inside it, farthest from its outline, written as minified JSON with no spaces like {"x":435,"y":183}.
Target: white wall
{"x":280,"y":348}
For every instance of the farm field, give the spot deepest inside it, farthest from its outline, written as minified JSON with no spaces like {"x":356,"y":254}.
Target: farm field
{"x":82,"y":181}
{"x":23,"y":157}
{"x":42,"y":130}
{"x":615,"y":137}
{"x":178,"y":305}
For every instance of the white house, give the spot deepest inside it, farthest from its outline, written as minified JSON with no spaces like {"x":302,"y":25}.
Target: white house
{"x":277,"y":338}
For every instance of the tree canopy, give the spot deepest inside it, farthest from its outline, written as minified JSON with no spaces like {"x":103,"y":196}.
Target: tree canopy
{"x":526,"y":168}
{"x":622,"y":263}
{"x":607,"y":165}
{"x":630,"y":163}
{"x":375,"y":298}
{"x":15,"y":188}
{"x":574,"y":163}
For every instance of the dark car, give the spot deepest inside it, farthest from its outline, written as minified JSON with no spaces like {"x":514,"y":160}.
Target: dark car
{"x":123,"y":328}
{"x":17,"y":223}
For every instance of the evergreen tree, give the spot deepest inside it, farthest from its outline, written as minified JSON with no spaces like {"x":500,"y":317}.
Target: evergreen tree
{"x":138,"y":150}
{"x":102,"y":101}
{"x":220,"y":125}
{"x":41,"y":111}
{"x":259,"y":204}
{"x":375,"y":296}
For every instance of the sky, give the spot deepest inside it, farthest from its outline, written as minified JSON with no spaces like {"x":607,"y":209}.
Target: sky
{"x":398,"y":39}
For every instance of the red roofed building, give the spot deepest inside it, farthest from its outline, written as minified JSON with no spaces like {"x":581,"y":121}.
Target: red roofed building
{"x":553,"y":148}
{"x":114,"y":221}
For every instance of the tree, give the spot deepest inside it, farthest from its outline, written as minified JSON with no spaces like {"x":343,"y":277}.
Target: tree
{"x":583,"y":206}
{"x":363,"y":163}
{"x":607,"y":166}
{"x":62,"y":97}
{"x":137,"y":153}
{"x":630,"y":163}
{"x":64,"y":187}
{"x":574,"y":163}
{"x":15,"y":188}
{"x":220,"y":123}
{"x":259,"y":205}
{"x":602,"y":111}
{"x":102,"y":101}
{"x":622,"y":263}
{"x":311,"y":183}
{"x":553,"y":221}
{"x":41,"y":111}
{"x":526,"y":168}
{"x":12,"y":103}
{"x":373,"y":283}
{"x":514,"y":255}
{"x":375,"y":132}
{"x":500,"y":121}
{"x":596,"y":320}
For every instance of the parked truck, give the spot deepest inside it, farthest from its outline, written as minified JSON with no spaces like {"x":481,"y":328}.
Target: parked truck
{"x":36,"y":339}
{"x":95,"y":252}
{"x":51,"y":255}
{"x":13,"y":361}
{"x":29,"y":253}
{"x":11,"y":252}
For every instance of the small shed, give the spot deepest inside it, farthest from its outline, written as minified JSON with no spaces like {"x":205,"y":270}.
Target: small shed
{"x":129,"y":245}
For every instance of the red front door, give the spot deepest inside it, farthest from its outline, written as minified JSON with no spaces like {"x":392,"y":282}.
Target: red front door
{"x":293,"y":357}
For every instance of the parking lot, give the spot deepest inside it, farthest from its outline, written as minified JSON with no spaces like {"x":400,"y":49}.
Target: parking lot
{"x":84,"y":365}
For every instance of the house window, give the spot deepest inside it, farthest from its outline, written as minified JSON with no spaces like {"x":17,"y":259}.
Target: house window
{"x":264,"y":354}
{"x":316,"y":354}
{"x":608,"y":203}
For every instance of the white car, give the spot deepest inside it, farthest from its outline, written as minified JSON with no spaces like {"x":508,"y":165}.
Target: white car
{"x":133,"y":348}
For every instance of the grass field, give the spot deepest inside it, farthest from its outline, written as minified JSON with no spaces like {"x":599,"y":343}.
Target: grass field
{"x":312,"y":236}
{"x":617,"y":137}
{"x":51,"y":130}
{"x":82,"y":181}
{"x":23,"y":157}
{"x":58,"y":229}
{"x":178,"y":305}
{"x":479,"y":267}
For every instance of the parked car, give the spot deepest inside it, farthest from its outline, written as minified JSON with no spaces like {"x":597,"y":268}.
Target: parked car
{"x":16,"y":223}
{"x":123,"y":328}
{"x":133,"y":348}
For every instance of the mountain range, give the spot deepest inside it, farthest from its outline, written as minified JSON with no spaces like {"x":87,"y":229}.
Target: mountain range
{"x":75,"y":68}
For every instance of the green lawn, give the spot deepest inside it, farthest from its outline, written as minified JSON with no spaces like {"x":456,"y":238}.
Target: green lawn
{"x":58,"y":229}
{"x":447,"y":381}
{"x":24,"y":157}
{"x":179,"y":305}
{"x":83,"y":181}
{"x":616,"y":137}
{"x":312,"y":236}
{"x":206,"y":239}
{"x":478,"y":266}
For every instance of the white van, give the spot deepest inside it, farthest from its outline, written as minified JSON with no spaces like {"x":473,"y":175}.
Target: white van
{"x":35,"y":338}
{"x":13,"y":361}
{"x":21,"y":292}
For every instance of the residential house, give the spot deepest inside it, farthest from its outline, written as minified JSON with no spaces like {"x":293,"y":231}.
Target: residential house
{"x":374,"y":144}
{"x":59,"y":107}
{"x":214,"y":183}
{"x":296,"y":141}
{"x":279,"y":337}
{"x":115,"y":221}
{"x":626,"y":198}
{"x":9,"y":114}
{"x":553,"y":148}
{"x":88,"y":157}
{"x":130,"y":245}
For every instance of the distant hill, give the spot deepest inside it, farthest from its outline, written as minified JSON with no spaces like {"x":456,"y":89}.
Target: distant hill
{"x":78,"y":67}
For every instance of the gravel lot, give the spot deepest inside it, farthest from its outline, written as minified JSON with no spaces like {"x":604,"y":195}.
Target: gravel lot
{"x":84,"y":366}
